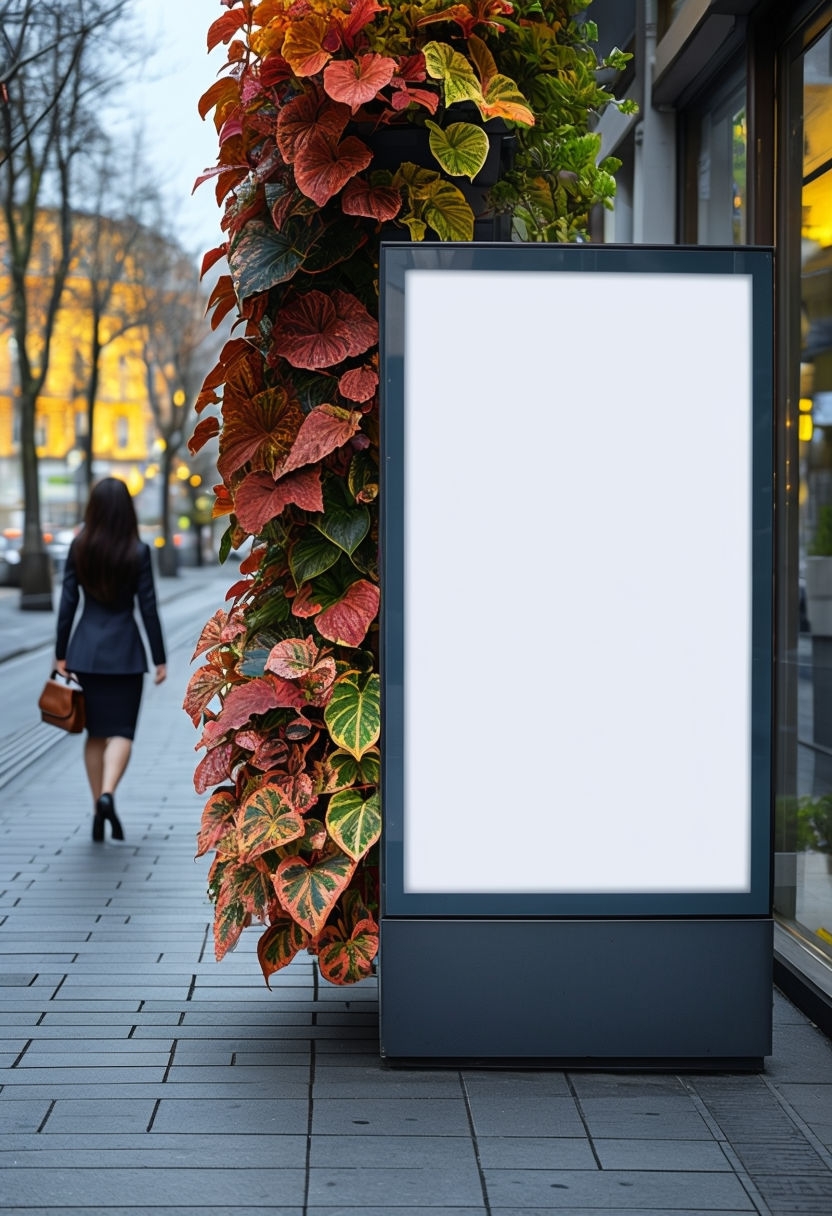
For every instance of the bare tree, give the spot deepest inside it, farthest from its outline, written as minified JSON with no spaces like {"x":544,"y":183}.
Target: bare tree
{"x":179,"y":348}
{"x":111,"y":233}
{"x":56,"y":68}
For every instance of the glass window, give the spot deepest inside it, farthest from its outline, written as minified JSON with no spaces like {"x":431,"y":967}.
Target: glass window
{"x":806,"y":814}
{"x":721,"y":173}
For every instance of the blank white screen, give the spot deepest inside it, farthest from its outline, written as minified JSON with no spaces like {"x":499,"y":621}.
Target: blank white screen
{"x":578,"y":582}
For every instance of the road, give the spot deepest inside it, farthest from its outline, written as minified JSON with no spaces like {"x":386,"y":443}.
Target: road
{"x":185,"y":604}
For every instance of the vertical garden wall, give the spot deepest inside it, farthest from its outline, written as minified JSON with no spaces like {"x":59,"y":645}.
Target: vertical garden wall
{"x":341,"y":125}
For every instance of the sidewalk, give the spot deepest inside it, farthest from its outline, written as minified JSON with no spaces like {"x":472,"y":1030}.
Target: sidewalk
{"x":138,"y":1076}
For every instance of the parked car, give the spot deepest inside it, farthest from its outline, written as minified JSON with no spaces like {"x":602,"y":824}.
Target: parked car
{"x":10,"y":544}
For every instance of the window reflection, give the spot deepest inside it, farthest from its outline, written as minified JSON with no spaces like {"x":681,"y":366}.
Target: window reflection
{"x":721,"y":173}
{"x":810,"y":817}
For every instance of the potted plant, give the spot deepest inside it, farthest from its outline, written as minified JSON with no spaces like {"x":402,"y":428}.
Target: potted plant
{"x":338,"y":122}
{"x":819,"y":576}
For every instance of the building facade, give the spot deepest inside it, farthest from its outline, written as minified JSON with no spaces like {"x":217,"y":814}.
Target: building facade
{"x":732,"y":145}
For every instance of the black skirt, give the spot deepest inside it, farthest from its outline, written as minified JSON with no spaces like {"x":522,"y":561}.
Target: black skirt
{"x":112,"y":704}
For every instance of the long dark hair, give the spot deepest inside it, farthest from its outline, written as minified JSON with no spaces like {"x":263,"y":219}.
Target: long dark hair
{"x":106,"y":550}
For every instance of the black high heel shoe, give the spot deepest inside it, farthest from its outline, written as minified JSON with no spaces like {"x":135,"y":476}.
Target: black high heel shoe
{"x":105,"y":809}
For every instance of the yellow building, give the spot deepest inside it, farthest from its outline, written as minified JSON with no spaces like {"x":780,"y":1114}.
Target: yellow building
{"x":123,"y":433}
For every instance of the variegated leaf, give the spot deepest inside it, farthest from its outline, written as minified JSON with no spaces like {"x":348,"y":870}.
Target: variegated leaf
{"x":266,"y":820}
{"x":343,"y":770}
{"x":353,"y":715}
{"x":348,"y":959}
{"x":279,"y":945}
{"x":217,"y":821}
{"x":354,"y":823}
{"x":309,"y":892}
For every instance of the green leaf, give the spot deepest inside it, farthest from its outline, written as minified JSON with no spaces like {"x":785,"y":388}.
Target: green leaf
{"x":458,"y":79}
{"x":353,"y":715}
{"x":310,"y":892}
{"x":312,"y":554}
{"x":225,"y":544}
{"x":261,"y":256}
{"x":461,"y":148}
{"x":448,"y":213}
{"x":345,"y":527}
{"x":346,"y":771}
{"x":354,"y":823}
{"x":266,"y":820}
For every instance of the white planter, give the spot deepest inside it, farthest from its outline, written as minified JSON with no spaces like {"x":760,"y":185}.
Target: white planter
{"x":819,"y":595}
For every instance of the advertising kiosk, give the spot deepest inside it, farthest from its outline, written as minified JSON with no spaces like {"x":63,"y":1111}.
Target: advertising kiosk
{"x":576,"y":654}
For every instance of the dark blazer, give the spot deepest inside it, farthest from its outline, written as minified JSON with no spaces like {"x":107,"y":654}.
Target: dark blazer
{"x":106,"y":640}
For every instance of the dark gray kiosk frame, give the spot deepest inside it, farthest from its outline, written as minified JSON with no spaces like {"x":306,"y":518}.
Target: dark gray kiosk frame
{"x":576,"y":654}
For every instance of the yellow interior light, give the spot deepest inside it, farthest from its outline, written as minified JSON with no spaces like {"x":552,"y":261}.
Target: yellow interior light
{"x":805,"y":405}
{"x":805,"y":427}
{"x":159,"y":542}
{"x":183,"y":472}
{"x":195,"y":480}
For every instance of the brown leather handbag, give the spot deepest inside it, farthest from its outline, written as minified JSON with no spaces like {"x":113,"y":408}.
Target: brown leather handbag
{"x":62,"y":703}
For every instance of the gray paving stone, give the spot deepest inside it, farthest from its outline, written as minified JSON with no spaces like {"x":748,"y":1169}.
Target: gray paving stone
{"x":536,"y":1153}
{"x":521,"y":1115}
{"x":499,"y":1084}
{"x":626,"y":1085}
{"x":101,"y":1115}
{"x":794,"y":1159}
{"x":390,"y":1117}
{"x":391,"y":1152}
{"x":153,"y":1210}
{"x":806,"y":1195}
{"x":166,"y":1188}
{"x":374,"y":1187}
{"x":616,"y":1190}
{"x":650,"y":1116}
{"x":115,"y":1057}
{"x":813,"y":1103}
{"x":22,"y":1078}
{"x":23,"y":1116}
{"x":113,"y":1149}
{"x":236,"y":1115}
{"x":695,"y":1155}
{"x":377,"y":1082}
{"x":339,"y":1209}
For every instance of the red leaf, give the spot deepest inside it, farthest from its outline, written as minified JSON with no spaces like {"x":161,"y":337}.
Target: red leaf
{"x":305,"y":115}
{"x":309,"y":333}
{"x":222,"y":299}
{"x":258,"y":697}
{"x":211,"y":632}
{"x":380,"y":203}
{"x":213,"y":768}
{"x":259,"y":431}
{"x":203,"y":686}
{"x":361,"y":14}
{"x":203,"y":431}
{"x":361,"y":327}
{"x":323,"y":430}
{"x":347,"y":622}
{"x":357,"y":81}
{"x":223,"y":94}
{"x":212,"y":257}
{"x":260,"y":498}
{"x":359,"y":384}
{"x":323,"y":166}
{"x":226,"y":26}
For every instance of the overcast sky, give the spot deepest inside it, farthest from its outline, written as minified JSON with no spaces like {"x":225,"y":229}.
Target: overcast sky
{"x":163,"y":100}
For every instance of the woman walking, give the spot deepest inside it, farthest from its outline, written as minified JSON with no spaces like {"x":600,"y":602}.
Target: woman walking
{"x":111,"y":565}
